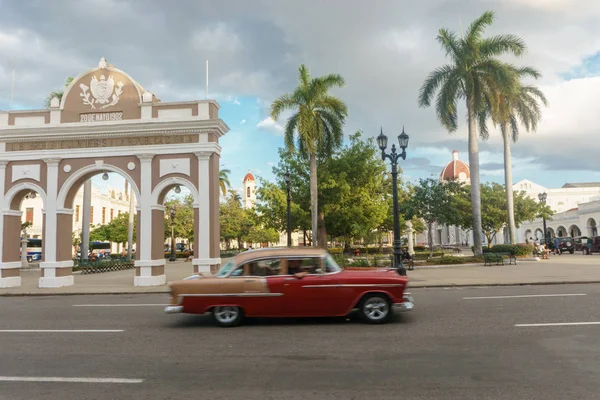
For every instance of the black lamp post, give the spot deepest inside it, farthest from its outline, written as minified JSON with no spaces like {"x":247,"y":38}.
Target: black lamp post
{"x":543,"y":196}
{"x":394,"y":157}
{"x":172,"y":213}
{"x":287,"y":179}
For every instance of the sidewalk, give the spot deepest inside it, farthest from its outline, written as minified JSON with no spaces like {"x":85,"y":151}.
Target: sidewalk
{"x":559,"y":269}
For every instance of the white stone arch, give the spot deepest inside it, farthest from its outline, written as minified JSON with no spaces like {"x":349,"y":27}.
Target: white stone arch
{"x":10,"y":195}
{"x":89,"y":71}
{"x":173,"y":181}
{"x":574,"y":230}
{"x":592,"y":227}
{"x":66,"y":187}
{"x":561,"y":231}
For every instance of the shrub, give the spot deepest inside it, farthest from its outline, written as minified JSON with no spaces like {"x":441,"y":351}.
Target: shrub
{"x":419,"y":248}
{"x":336,"y":250}
{"x":448,"y":260}
{"x":340,"y":260}
{"x":425,"y":255}
{"x":359,"y":263}
{"x":178,"y":254}
{"x":516,"y":249}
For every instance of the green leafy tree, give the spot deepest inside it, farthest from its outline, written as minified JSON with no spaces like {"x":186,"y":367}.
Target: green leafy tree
{"x":315,"y":127}
{"x":115,"y":231}
{"x":58,"y":92}
{"x":474,"y":75}
{"x":431,"y":201}
{"x":184,"y":218}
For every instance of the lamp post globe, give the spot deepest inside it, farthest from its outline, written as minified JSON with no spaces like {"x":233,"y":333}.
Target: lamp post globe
{"x":393,"y":156}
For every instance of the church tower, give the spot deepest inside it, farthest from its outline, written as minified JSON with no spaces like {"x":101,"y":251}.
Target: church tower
{"x":249,"y":191}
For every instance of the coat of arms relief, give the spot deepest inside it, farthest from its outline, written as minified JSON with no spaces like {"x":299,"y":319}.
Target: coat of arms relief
{"x":103,"y":91}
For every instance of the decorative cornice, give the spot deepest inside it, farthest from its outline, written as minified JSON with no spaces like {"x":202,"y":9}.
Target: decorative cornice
{"x":110,"y":129}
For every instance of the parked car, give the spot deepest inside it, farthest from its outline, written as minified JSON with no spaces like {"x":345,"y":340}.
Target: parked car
{"x":284,"y":282}
{"x":592,"y":245}
{"x":565,"y":244}
{"x":580,"y":243}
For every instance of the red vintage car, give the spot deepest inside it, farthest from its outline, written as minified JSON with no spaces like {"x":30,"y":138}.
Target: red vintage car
{"x":290,"y":282}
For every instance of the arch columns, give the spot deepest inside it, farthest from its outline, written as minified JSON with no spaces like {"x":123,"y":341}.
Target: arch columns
{"x":149,"y":266}
{"x":56,"y":267}
{"x":10,"y":273}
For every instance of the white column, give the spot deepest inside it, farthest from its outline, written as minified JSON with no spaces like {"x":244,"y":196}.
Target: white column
{"x":202,"y":253}
{"x":6,"y":280}
{"x":85,"y":219}
{"x":50,"y":263}
{"x":411,"y":249}
{"x":144,"y":236}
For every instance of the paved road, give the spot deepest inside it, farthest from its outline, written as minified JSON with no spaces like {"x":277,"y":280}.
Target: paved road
{"x":448,"y":348}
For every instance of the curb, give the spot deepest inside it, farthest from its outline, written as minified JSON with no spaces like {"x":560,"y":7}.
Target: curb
{"x":36,"y":294}
{"x":483,"y":285}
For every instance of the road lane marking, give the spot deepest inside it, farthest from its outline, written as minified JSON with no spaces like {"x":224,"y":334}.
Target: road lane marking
{"x":120,"y":305}
{"x":560,"y":324}
{"x":70,"y":380}
{"x":525,"y":296}
{"x":61,"y":330}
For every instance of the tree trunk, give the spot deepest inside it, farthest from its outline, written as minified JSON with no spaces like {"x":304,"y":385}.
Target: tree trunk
{"x":322,"y":236}
{"x":475,"y":184}
{"x":314,"y":202}
{"x":510,"y":205}
{"x":430,"y":238}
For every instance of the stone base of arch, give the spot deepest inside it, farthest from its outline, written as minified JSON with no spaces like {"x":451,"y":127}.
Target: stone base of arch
{"x":150,"y":273}
{"x":10,"y":275}
{"x":56,"y":274}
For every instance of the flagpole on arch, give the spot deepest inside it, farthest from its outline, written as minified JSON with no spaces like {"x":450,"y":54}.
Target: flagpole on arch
{"x":206,"y":79}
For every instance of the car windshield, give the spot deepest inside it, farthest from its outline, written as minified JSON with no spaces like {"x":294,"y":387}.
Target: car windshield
{"x":225,"y":269}
{"x":331,"y":265}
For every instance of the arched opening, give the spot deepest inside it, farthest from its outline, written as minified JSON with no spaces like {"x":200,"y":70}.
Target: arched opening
{"x":574,"y":231}
{"x":561,"y":231}
{"x":550,"y":233}
{"x":107,"y":213}
{"x":592,"y":227}
{"x":539,"y":234}
{"x":528,"y":235}
{"x":24,"y":224}
{"x":176,"y":211}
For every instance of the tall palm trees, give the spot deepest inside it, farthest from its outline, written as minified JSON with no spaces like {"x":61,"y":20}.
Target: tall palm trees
{"x":474,"y":75}
{"x":224,"y":183}
{"x":511,"y":108}
{"x":315,"y":128}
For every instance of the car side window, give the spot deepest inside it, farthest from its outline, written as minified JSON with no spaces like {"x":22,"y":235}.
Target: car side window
{"x":266,"y":267}
{"x":310,"y":265}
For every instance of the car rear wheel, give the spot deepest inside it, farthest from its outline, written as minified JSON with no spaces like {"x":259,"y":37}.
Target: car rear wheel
{"x":571,"y":251}
{"x":227,"y":316}
{"x":375,"y":309}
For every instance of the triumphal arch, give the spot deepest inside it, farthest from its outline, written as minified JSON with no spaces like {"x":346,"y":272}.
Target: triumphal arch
{"x":107,"y":122}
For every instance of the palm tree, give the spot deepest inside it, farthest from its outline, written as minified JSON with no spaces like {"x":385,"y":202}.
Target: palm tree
{"x":474,"y":74}
{"x":224,"y":180}
{"x":57,"y":93}
{"x":315,"y":128}
{"x":511,"y":108}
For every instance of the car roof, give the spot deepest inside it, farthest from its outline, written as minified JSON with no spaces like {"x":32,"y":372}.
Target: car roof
{"x":279,"y":252}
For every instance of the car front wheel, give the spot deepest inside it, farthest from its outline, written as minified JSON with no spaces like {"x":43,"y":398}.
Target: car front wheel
{"x":227,"y":316}
{"x":375,"y":309}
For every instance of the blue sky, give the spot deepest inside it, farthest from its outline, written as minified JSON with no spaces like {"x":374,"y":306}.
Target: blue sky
{"x":255,"y":48}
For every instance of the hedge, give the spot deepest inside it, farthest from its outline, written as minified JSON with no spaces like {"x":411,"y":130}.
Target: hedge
{"x":516,"y":249}
{"x":178,"y":254}
{"x":419,"y":248}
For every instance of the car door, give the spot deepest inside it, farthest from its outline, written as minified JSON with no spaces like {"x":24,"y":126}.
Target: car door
{"x":308,"y":291}
{"x":258,"y":279}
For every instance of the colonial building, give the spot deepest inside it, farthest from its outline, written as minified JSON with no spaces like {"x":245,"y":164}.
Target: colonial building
{"x":576,"y":207}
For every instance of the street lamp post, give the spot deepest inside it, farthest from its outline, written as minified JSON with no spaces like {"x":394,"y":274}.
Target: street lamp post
{"x":543,"y":196}
{"x":394,"y":157}
{"x":287,"y":179}
{"x":172,"y":214}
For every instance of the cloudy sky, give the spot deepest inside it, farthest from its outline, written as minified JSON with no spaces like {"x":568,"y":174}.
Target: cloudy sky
{"x":384,"y":50}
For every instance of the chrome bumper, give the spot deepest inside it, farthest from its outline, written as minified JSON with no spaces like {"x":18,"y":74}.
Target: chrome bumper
{"x":173,"y":309}
{"x":407,"y":305}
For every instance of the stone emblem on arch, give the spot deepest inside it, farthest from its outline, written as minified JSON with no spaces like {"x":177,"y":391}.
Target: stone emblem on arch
{"x":103,"y":92}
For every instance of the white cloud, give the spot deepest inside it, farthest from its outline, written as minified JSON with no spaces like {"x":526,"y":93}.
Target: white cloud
{"x":243,"y":121}
{"x":220,"y":37}
{"x":268,"y":124}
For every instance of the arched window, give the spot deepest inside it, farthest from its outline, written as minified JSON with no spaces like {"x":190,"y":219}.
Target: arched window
{"x":248,"y":192}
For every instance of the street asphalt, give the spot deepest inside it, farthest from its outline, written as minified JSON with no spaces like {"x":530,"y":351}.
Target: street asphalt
{"x":457,"y":344}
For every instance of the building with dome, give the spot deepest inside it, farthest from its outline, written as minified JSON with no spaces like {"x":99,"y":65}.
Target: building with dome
{"x":456,"y":170}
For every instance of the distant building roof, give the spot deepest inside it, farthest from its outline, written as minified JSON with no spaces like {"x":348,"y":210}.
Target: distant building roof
{"x":249,"y":177}
{"x":581,"y":185}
